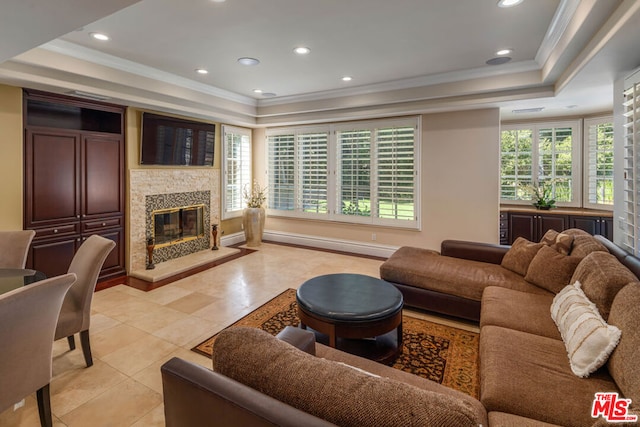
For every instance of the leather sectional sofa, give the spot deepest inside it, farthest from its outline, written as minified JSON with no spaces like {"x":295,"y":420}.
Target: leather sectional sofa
{"x":527,"y":376}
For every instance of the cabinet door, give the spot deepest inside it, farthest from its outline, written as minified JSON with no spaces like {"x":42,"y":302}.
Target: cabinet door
{"x":103,"y":175}
{"x":550,"y":222}
{"x":521,"y":225}
{"x":606,"y":227}
{"x":590,"y":224}
{"x":53,"y":256}
{"x":52,"y":185}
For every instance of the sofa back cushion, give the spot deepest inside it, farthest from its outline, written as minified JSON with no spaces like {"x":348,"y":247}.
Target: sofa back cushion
{"x":329,"y":390}
{"x":551,"y":270}
{"x":561,"y":242}
{"x":519,"y":255}
{"x":623,"y":363}
{"x":602,"y":276}
{"x":584,"y":243}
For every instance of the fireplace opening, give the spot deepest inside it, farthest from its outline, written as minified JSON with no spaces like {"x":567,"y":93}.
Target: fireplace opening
{"x":177,"y":225}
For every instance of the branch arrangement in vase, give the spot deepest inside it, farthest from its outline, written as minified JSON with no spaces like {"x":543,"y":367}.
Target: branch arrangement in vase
{"x":254,"y":195}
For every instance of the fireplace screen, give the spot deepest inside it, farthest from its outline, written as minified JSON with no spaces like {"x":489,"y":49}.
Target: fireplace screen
{"x":176,"y":225}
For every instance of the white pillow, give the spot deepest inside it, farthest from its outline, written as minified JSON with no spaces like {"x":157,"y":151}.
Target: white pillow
{"x":589,"y":340}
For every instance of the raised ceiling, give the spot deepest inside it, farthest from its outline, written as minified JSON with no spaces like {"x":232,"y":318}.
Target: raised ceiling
{"x":405,"y":56}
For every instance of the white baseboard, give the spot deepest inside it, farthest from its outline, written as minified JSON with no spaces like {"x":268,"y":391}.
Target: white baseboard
{"x":382,"y":251}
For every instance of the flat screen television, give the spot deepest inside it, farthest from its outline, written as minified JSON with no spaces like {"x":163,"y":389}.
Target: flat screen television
{"x":176,"y":142}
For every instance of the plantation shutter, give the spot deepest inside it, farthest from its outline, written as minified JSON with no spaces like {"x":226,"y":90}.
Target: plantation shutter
{"x":599,"y":162}
{"x":282,"y":168}
{"x":555,"y":160}
{"x":354,"y":187}
{"x":237,"y":168}
{"x":313,"y":170}
{"x":631,"y":160}
{"x":516,"y":159}
{"x":395,"y":187}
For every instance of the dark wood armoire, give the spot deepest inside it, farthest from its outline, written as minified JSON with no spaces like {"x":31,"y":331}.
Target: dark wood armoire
{"x":74,"y":179}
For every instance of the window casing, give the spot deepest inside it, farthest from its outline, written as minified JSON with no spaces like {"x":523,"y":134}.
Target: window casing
{"x":598,"y":163}
{"x":236,"y":169}
{"x":360,"y":172}
{"x":537,"y":153}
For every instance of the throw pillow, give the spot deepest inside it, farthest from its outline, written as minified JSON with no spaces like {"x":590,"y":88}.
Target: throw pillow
{"x":587,"y":337}
{"x":561,"y":242}
{"x":551,"y":270}
{"x":519,"y":256}
{"x":602,"y":276}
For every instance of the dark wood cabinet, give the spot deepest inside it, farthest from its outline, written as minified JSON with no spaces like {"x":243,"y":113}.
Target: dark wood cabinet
{"x":74,"y":179}
{"x":593,"y":225}
{"x":533,"y":226}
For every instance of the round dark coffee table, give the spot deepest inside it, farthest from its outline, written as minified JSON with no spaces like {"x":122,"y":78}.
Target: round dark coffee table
{"x":355,"y":313}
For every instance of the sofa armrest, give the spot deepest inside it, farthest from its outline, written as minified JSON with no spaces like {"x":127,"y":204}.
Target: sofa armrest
{"x":474,"y":251}
{"x":194,"y":395}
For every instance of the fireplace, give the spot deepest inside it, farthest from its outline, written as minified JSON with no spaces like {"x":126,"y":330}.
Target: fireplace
{"x":177,"y":225}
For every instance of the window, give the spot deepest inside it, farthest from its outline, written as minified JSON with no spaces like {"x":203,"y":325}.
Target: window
{"x":362,"y":172}
{"x":598,"y":163}
{"x":540,"y":153}
{"x":236,"y":154}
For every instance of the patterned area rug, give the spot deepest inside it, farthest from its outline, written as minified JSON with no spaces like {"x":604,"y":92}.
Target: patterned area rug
{"x":439,"y":353}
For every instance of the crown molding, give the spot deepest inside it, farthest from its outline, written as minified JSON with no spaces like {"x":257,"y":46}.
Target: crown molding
{"x":90,"y":55}
{"x":563,"y":16}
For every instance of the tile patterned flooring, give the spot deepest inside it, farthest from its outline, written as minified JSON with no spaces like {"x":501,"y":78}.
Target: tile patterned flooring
{"x":134,"y":332}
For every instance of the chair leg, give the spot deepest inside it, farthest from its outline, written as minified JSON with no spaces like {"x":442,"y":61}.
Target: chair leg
{"x":72,"y":342}
{"x":86,"y":347}
{"x":43,"y":396}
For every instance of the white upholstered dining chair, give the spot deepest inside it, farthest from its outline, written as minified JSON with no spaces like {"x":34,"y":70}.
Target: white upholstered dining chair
{"x":75,"y":315}
{"x":14,"y":248}
{"x":28,"y":317}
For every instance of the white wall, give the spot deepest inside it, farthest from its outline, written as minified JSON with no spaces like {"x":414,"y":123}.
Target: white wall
{"x":459,"y":179}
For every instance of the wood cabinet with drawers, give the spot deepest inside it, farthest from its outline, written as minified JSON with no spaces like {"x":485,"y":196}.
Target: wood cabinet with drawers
{"x":532,"y":224}
{"x":74,"y":179}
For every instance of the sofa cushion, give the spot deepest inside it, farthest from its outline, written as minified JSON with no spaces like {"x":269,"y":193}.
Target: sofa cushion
{"x":510,"y":420}
{"x":517,"y":310}
{"x":426,"y":269}
{"x":519,"y":255}
{"x":584,"y":245}
{"x":561,"y":242}
{"x":528,"y":375}
{"x":623,"y":362}
{"x":602,"y":276}
{"x":587,"y":337}
{"x":551,"y":270}
{"x":329,"y":390}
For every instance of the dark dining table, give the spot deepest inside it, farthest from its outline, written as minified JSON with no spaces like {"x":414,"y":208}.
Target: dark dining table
{"x":13,"y":278}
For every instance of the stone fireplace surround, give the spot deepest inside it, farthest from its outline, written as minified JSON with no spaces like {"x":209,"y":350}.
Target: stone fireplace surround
{"x":162,"y":187}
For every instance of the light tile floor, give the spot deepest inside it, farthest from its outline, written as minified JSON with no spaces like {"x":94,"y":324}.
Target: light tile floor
{"x":133,"y":333}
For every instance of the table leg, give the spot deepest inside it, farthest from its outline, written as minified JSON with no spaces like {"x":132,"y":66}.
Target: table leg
{"x":399,"y":330}
{"x":332,"y":336}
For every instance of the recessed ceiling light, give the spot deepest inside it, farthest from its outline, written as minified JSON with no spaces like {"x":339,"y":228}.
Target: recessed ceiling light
{"x":100,"y":36}
{"x":248,"y":61}
{"x":498,"y":60}
{"x":218,"y":1}
{"x":302,"y":50}
{"x":201,"y":71}
{"x":257,"y":91}
{"x":508,"y":3}
{"x":347,"y":78}
{"x":503,"y":52}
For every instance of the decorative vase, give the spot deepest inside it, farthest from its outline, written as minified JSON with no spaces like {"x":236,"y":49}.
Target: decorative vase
{"x":253,"y":225}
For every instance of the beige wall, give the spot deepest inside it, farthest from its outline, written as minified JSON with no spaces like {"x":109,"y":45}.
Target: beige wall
{"x":11,"y":163}
{"x":459,"y":185}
